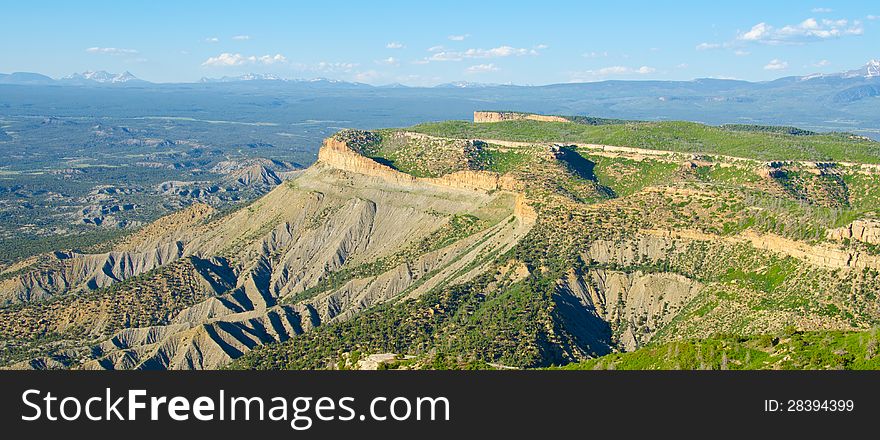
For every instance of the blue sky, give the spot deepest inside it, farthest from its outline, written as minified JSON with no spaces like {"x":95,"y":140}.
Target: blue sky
{"x":425,"y":44}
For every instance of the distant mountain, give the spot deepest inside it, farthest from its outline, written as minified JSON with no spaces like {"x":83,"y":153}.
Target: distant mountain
{"x":393,"y":86}
{"x":101,"y":77}
{"x":245,"y":77}
{"x":871,"y":69}
{"x":467,"y":85}
{"x":27,"y":78}
{"x":842,"y":101}
{"x":259,"y":79}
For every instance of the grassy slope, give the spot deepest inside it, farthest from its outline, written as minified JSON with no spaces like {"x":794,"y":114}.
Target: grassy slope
{"x":672,"y":136}
{"x":792,"y":350}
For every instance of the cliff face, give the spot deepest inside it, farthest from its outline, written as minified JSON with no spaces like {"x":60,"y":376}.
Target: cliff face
{"x":338,"y":154}
{"x":654,"y":245}
{"x":866,"y":231}
{"x":515,"y":116}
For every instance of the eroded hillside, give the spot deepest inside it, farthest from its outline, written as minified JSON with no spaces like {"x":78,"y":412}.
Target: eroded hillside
{"x":434,"y":248}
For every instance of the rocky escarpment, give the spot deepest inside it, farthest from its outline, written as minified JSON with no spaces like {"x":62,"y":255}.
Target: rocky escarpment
{"x":865,"y":231}
{"x":339,"y":154}
{"x":485,"y":116}
{"x":821,"y":255}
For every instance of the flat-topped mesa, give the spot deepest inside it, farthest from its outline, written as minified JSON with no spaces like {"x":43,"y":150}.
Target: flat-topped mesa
{"x":342,"y":153}
{"x":483,"y":116}
{"x":337,"y":153}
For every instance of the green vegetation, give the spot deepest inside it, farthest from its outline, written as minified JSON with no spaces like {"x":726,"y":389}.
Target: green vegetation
{"x":687,"y":137}
{"x":462,"y":326}
{"x":501,"y":161}
{"x":626,"y":176}
{"x":91,"y":240}
{"x":790,"y":350}
{"x":794,"y":131}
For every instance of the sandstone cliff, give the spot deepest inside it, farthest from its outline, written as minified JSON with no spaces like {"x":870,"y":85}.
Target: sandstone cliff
{"x":866,"y":231}
{"x":484,"y":116}
{"x":340,"y":155}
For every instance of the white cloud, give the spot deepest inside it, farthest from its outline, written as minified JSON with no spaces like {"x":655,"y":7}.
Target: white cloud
{"x":458,"y":37}
{"x":323,"y":65}
{"x":682,"y":66}
{"x":226,"y":59}
{"x":390,"y":61}
{"x":328,"y":67}
{"x":595,"y":54}
{"x":541,"y":46}
{"x":822,"y":63}
{"x":757,"y":32}
{"x":272,"y":59}
{"x":212,"y":40}
{"x":112,"y":51}
{"x":440,"y":54}
{"x":776,"y":64}
{"x":708,"y":46}
{"x":612,"y":71}
{"x":873,"y":17}
{"x":241,"y":37}
{"x":367,"y":76}
{"x":482,"y":68}
{"x":394,"y":45}
{"x":741,"y":53}
{"x":501,"y":51}
{"x":445,"y":56}
{"x":822,"y":10}
{"x":805,"y":31}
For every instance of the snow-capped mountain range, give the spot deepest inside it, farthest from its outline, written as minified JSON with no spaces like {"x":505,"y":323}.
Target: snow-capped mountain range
{"x":871,"y":69}
{"x":101,"y":77}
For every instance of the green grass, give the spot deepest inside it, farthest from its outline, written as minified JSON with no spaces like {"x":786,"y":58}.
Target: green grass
{"x":502,"y":161}
{"x":626,"y":176}
{"x":677,"y":136}
{"x":820,"y":350}
{"x":768,"y":279}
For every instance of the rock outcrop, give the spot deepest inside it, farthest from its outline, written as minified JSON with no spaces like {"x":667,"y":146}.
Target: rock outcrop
{"x":484,"y":116}
{"x":865,"y":231}
{"x":340,"y":155}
